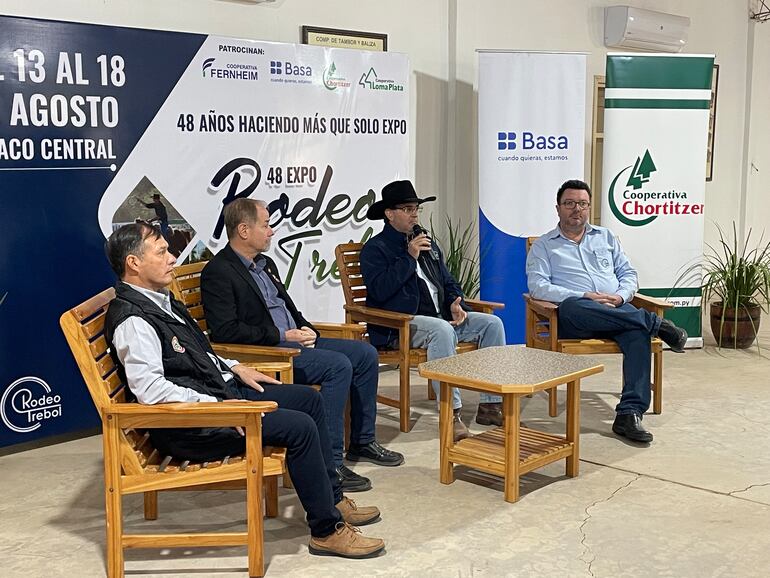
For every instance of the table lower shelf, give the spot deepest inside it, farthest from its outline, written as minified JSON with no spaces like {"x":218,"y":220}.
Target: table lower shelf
{"x":486,"y":451}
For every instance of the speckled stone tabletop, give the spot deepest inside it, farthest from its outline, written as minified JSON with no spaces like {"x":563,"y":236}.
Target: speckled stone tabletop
{"x":510,"y":369}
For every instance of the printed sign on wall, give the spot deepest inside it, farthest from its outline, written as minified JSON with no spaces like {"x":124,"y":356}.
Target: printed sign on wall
{"x":101,"y":126}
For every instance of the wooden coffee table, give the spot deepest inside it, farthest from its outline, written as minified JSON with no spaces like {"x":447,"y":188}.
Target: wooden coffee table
{"x":512,"y":372}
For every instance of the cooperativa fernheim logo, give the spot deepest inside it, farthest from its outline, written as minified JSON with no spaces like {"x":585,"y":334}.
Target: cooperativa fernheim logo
{"x":638,"y":202}
{"x":28,"y":402}
{"x":231,"y":70}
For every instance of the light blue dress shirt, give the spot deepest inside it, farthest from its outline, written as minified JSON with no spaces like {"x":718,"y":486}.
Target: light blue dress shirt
{"x":558,"y":268}
{"x":276,"y":306}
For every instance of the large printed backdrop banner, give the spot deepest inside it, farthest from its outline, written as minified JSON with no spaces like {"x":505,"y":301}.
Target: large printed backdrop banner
{"x":531,"y":139}
{"x":655,"y":132}
{"x":101,"y":126}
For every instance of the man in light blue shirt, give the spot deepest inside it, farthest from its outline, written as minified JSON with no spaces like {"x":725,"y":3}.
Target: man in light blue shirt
{"x":583,"y":268}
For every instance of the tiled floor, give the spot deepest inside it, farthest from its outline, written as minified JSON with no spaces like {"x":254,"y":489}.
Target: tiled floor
{"x":696,"y":502}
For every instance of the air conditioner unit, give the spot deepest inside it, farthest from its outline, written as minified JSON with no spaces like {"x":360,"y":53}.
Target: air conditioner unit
{"x":629,"y":27}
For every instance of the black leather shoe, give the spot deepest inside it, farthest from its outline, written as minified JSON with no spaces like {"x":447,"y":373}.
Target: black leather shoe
{"x":630,"y":426}
{"x":375,"y":453}
{"x":351,"y":481}
{"x":675,"y":337}
{"x":490,"y":414}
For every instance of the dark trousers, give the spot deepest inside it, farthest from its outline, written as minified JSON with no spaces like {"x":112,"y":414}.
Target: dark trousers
{"x":299,"y":425}
{"x":343,"y":368}
{"x":631,"y":328}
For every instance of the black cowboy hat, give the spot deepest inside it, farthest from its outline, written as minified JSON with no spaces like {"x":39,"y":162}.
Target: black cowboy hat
{"x":395,"y":193}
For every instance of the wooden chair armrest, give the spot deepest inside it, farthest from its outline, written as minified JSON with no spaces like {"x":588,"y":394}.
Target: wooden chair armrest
{"x":544,"y":308}
{"x":650,"y":303}
{"x":484,"y":306}
{"x":378,"y":316}
{"x":340,"y":330}
{"x":254,"y":353}
{"x":201,"y":414}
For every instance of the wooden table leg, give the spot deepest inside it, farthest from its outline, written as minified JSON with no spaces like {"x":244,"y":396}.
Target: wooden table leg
{"x":573,"y":427}
{"x":445,"y":434}
{"x":511,"y":407}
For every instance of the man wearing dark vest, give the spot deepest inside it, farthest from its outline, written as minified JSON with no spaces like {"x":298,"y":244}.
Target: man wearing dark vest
{"x":163,"y":356}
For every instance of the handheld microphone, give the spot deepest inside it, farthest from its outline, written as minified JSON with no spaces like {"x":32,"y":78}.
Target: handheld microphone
{"x":418,"y":230}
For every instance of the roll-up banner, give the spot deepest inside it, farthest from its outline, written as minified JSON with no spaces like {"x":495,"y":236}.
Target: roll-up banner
{"x":101,"y":126}
{"x":531,"y":139}
{"x":655,"y":134}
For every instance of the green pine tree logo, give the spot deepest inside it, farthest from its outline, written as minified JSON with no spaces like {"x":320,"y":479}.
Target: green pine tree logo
{"x":643,"y":168}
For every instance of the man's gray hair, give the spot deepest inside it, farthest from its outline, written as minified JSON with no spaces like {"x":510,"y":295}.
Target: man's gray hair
{"x":241,"y":211}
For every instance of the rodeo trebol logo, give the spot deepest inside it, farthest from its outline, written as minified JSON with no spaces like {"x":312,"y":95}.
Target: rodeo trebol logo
{"x":28,"y":402}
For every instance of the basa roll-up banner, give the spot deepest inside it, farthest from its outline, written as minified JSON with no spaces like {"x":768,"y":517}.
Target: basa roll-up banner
{"x":531,"y":140}
{"x":654,"y":177}
{"x":101,"y":126}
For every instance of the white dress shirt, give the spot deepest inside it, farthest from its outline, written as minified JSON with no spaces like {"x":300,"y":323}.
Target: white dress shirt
{"x":139,"y":350}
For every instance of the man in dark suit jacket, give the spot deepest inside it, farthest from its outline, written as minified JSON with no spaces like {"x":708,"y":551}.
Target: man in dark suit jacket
{"x":246,"y":302}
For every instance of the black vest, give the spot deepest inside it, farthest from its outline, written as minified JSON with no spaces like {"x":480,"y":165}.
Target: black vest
{"x":184,"y":347}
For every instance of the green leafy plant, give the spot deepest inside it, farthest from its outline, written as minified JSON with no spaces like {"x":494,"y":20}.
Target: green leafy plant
{"x":461,"y":254}
{"x":736,"y":276}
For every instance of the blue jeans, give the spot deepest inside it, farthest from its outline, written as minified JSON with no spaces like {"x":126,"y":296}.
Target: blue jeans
{"x":631,"y":328}
{"x":343,"y":368}
{"x":440,"y":339}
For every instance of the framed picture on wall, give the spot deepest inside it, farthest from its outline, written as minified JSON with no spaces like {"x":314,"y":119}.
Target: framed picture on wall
{"x":337,"y":38}
{"x":712,"y":124}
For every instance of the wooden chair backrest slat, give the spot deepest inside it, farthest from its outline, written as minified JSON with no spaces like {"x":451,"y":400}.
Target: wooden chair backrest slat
{"x":348,"y":257}
{"x":83,"y":328}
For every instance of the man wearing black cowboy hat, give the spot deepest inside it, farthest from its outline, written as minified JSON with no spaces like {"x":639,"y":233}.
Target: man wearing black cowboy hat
{"x":404,"y":271}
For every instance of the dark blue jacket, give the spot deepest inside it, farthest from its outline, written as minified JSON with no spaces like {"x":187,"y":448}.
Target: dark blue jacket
{"x":390,"y":275}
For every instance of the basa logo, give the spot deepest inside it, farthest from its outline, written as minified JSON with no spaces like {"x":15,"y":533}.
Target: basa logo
{"x":27,"y":402}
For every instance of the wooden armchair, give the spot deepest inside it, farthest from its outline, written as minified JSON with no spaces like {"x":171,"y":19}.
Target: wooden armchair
{"x":186,"y":287}
{"x":132,"y":465}
{"x":348,"y":257}
{"x":542,"y":330}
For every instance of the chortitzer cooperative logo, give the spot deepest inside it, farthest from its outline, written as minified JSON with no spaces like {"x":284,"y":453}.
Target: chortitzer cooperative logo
{"x":371,"y":81}
{"x":332,"y":81}
{"x":636,"y":205}
{"x":232,"y":70}
{"x":27,"y":402}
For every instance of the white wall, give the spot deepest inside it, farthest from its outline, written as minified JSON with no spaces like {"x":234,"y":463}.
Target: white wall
{"x":441,"y":36}
{"x":717,"y":26}
{"x":758,"y":154}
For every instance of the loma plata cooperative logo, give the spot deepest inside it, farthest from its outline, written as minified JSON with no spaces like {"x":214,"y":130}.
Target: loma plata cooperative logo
{"x":332,"y":81}
{"x":232,"y":70}
{"x":636,"y":205}
{"x":371,"y":81}
{"x":28,"y":402}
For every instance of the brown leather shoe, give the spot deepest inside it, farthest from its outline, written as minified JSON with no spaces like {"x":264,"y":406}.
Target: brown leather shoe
{"x":459,"y":431}
{"x":346,"y":542}
{"x":490,"y":414}
{"x":357,"y":515}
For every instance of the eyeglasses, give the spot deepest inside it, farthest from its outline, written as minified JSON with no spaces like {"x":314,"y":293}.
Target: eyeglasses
{"x":572,"y":204}
{"x":410,"y":210}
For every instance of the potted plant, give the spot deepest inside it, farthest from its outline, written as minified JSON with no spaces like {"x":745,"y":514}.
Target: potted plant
{"x":461,"y":255}
{"x":737,"y":278}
